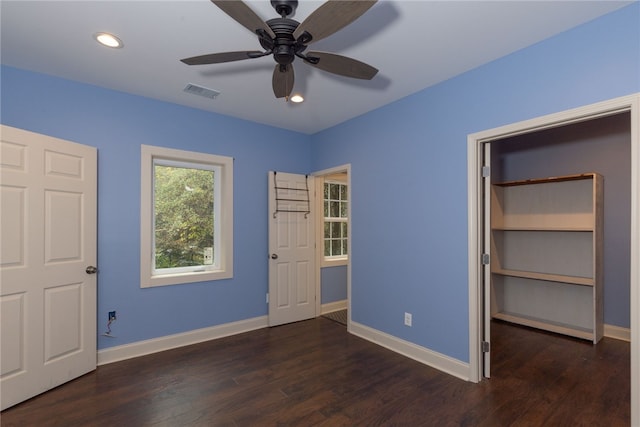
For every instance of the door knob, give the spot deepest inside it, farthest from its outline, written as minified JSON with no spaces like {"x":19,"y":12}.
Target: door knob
{"x":91,"y":270}
{"x":274,"y":256}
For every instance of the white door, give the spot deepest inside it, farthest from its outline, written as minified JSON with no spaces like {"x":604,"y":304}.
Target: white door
{"x":486,"y":181}
{"x":292,"y":293}
{"x":48,"y":233}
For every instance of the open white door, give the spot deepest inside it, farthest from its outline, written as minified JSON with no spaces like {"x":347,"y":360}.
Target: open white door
{"x":292,"y":290}
{"x":47,"y":263}
{"x":486,"y":266}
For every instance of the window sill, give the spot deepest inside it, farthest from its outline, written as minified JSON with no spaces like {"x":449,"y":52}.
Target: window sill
{"x":180,"y":278}
{"x":334,"y":262}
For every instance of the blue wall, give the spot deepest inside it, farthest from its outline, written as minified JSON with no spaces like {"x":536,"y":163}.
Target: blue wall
{"x":334,"y":284}
{"x":117,"y":124}
{"x":408,"y":171}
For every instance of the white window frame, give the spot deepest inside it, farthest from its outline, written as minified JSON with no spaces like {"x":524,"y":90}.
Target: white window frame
{"x":223,"y":227}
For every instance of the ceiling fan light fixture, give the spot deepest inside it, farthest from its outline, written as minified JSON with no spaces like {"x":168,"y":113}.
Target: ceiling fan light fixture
{"x":297,"y":98}
{"x":109,"y":40}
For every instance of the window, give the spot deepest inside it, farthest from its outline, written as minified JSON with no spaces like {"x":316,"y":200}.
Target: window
{"x":186,"y":217}
{"x":336,"y":219}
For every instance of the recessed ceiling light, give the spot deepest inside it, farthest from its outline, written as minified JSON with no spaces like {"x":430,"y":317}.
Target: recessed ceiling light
{"x":108,"y":40}
{"x":297,"y":98}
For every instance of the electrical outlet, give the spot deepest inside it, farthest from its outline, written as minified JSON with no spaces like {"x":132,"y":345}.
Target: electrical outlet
{"x":112,"y":316}
{"x":408,"y":319}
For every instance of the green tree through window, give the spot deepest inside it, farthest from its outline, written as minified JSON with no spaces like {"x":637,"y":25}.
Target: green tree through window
{"x":184,"y":216}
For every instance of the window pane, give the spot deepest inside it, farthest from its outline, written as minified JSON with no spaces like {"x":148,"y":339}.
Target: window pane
{"x":326,"y":209}
{"x":335,"y":210}
{"x":336,"y":246}
{"x":335,"y":230}
{"x":334,"y":191}
{"x":343,"y":210}
{"x":326,"y":191}
{"x":327,"y":230}
{"x":344,"y":230}
{"x":183,"y":206}
{"x":327,"y":248}
{"x":343,"y":192}
{"x":344,"y":247}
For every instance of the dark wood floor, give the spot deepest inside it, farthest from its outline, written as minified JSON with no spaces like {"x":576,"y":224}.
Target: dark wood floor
{"x":314,"y":373}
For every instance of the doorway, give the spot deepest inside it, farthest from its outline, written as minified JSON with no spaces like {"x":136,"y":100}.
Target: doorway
{"x":307,"y":230}
{"x":333,"y":237}
{"x":292,"y":291}
{"x":476,"y":143}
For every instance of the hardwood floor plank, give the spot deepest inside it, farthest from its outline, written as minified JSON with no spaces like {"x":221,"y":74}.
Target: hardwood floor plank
{"x":314,"y":373}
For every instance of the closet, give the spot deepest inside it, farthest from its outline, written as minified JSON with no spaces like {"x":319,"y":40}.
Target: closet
{"x":560,"y":204}
{"x":546,"y":241}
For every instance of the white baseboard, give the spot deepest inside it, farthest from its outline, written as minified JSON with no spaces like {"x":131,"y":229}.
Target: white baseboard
{"x":333,"y":306}
{"x":421,"y":354}
{"x":431,"y":358}
{"x":141,"y":348}
{"x":617,"y":332}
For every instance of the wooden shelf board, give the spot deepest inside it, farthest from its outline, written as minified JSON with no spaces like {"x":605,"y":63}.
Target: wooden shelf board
{"x":545,"y":180}
{"x":533,"y":228}
{"x":574,"y":280}
{"x":570,"y":330}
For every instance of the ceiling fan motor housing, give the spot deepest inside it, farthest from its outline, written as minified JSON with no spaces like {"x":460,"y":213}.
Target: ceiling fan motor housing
{"x":284,"y":46}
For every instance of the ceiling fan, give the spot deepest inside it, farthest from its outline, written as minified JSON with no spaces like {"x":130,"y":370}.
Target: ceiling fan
{"x":286,"y":38}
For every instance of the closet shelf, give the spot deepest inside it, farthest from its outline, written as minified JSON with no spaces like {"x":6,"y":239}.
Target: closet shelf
{"x":542,"y":228}
{"x":584,"y":281}
{"x":561,"y":328}
{"x":564,"y":178}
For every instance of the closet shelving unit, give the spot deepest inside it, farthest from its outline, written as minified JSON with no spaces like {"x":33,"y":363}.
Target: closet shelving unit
{"x":546,"y":262}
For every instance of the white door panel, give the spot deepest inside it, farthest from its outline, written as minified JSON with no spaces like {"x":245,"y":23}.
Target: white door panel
{"x":487,"y":267}
{"x":49,"y":226}
{"x":292,"y":249}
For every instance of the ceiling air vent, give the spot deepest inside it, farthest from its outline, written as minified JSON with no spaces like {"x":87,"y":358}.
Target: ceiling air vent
{"x":201,"y":91}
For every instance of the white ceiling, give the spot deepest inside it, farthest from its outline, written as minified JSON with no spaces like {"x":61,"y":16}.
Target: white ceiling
{"x":414,"y":44}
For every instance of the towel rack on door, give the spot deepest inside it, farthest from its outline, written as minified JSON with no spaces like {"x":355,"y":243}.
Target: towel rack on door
{"x":286,"y":195}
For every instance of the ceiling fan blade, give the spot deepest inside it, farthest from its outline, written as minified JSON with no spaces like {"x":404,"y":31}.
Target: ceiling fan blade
{"x":217,"y":58}
{"x":331,"y":17}
{"x":283,"y":80}
{"x":244,"y":15}
{"x":342,"y":65}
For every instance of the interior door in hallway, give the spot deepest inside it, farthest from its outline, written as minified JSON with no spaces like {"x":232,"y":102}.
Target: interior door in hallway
{"x":292,"y":290}
{"x":47,"y":263}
